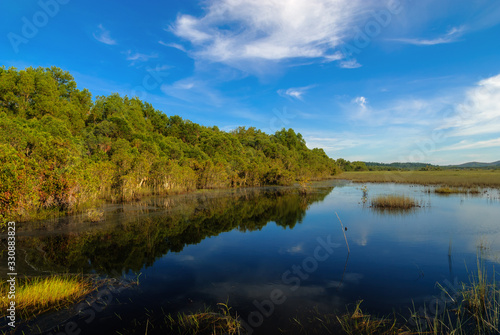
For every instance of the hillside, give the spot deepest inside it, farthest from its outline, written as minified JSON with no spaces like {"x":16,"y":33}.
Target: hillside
{"x":477,"y":165}
{"x":60,"y":149}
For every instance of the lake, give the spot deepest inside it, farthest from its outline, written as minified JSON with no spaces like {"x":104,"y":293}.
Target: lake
{"x":272,"y":254}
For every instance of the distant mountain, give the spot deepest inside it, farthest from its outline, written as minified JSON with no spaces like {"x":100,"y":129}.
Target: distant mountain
{"x":398,"y":165}
{"x":418,"y":166}
{"x":477,"y":165}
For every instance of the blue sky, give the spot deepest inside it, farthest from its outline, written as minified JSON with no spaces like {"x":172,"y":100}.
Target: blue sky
{"x":386,"y":80}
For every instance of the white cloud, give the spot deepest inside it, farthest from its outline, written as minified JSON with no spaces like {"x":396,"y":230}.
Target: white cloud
{"x":451,"y":36}
{"x":479,"y":114}
{"x":104,"y":36}
{"x":361,"y":101}
{"x":350,"y":64}
{"x":239,"y":30}
{"x":294,"y":92}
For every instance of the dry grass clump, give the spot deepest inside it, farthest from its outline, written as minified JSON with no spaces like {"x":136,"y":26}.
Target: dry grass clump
{"x":394,"y":202}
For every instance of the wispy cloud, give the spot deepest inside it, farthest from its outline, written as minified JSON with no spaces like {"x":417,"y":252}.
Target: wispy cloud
{"x":193,"y":90}
{"x":173,"y":45}
{"x":465,"y":144}
{"x":139,"y":57}
{"x":479,"y":113}
{"x":104,"y":36}
{"x":451,"y":36}
{"x":295,"y":92}
{"x":235,"y":31}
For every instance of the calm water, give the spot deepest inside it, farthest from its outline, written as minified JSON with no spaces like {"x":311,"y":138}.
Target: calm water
{"x":271,"y":253}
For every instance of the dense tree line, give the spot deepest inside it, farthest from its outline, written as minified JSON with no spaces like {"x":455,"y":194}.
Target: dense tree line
{"x":60,"y":148}
{"x":372,"y":166}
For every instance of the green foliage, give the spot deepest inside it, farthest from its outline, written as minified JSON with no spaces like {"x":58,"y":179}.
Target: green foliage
{"x":59,"y":150}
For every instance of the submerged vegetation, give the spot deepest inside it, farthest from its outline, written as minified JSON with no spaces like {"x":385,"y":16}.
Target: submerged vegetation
{"x":394,"y":202}
{"x":61,"y":150}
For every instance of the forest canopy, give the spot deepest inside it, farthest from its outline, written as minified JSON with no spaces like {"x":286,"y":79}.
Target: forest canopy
{"x":60,"y":148}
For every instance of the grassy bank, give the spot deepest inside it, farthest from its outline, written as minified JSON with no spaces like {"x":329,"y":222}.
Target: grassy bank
{"x":34,"y":296}
{"x":450,"y":178}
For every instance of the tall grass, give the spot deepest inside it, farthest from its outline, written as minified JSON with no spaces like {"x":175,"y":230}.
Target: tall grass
{"x":38,"y":295}
{"x":481,"y":301}
{"x":394,"y":202}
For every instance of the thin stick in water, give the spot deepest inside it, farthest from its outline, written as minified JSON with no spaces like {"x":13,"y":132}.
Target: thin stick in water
{"x":349,"y":251}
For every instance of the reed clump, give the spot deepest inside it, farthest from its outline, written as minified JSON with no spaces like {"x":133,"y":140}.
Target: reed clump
{"x":394,"y":202}
{"x":205,"y":322}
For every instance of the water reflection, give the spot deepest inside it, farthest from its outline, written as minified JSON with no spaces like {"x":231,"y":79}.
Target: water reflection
{"x":135,"y":235}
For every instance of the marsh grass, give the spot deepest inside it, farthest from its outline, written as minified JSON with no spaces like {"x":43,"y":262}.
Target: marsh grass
{"x":37,"y":295}
{"x":456,"y":190}
{"x":357,"y":322}
{"x":481,"y":301}
{"x":394,"y":202}
{"x":205,"y":322}
{"x":451,"y":178}
{"x":476,"y":310}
